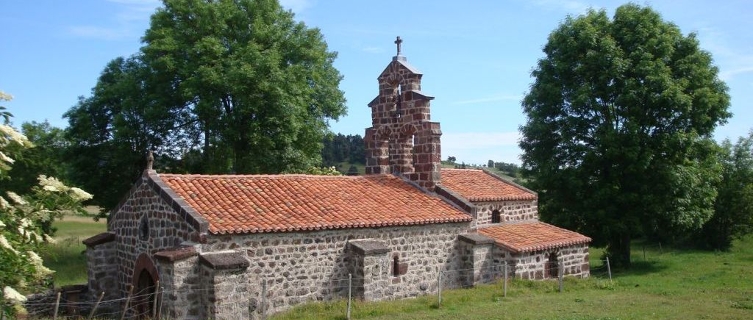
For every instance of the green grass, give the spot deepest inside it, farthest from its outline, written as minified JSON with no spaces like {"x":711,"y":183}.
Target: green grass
{"x":66,"y":257}
{"x":668,"y":284}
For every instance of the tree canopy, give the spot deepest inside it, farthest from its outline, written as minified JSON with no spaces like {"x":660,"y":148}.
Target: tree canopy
{"x":733,"y":208}
{"x":619,"y":120}
{"x":217,"y":87}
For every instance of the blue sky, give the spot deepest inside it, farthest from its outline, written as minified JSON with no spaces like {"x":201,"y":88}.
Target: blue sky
{"x":476,"y":56}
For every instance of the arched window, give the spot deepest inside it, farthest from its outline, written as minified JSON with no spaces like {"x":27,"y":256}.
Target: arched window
{"x":144,"y":228}
{"x":496,"y":217}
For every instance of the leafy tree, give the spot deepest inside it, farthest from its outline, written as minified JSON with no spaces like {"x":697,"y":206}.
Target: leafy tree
{"x":341,"y":148}
{"x":617,"y":139}
{"x":451,"y":159}
{"x":24,"y":221}
{"x":733,"y":208}
{"x":218,"y":87}
{"x":49,"y":143}
{"x":490,"y":164}
{"x":259,"y":84}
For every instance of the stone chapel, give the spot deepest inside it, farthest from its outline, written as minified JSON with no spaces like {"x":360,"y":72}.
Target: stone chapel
{"x":224,"y":246}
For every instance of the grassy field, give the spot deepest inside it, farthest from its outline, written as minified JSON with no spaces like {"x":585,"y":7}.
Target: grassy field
{"x":668,"y":284}
{"x":66,"y":256}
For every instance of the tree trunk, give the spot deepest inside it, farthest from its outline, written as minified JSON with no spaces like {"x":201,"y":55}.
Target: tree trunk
{"x":618,"y":250}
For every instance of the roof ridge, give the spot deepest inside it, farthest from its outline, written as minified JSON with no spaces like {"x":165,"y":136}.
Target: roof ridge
{"x":269,"y":176}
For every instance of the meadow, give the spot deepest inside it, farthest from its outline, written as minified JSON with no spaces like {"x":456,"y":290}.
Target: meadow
{"x":66,"y":256}
{"x":664,"y":283}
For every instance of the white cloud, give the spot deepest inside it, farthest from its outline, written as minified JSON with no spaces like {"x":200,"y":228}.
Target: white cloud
{"x":298,"y":6}
{"x":372,"y":49}
{"x":495,"y":98}
{"x":127,"y":22}
{"x":101,"y":33}
{"x":479,"y":140}
{"x":570,"y":6}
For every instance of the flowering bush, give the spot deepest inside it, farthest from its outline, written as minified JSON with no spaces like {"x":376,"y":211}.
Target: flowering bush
{"x":25,"y":223}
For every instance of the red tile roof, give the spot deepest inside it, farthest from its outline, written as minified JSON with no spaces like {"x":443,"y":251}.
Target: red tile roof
{"x":532,"y":236}
{"x":479,"y":185}
{"x":279,"y":203}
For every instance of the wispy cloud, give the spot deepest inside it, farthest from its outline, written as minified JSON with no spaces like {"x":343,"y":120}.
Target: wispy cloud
{"x":372,"y":49}
{"x":502,"y":97}
{"x":476,"y":140}
{"x":479,"y":147}
{"x":124,"y":25}
{"x":729,"y":58}
{"x":298,"y":6}
{"x":570,"y":6}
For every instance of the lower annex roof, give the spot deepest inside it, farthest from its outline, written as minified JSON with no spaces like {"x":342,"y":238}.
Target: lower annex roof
{"x":532,"y":236}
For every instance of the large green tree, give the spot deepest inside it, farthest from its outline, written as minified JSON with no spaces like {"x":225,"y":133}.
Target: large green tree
{"x":259,"y":85}
{"x":619,"y":120}
{"x":733,"y":208}
{"x":218,"y":87}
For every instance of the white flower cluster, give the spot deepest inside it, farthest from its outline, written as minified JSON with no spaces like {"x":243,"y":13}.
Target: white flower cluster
{"x":36,"y":260}
{"x":6,"y":244}
{"x":5,"y":158}
{"x":80,"y":195}
{"x":16,"y":198}
{"x":51,"y":184}
{"x":8,"y":135}
{"x":13,"y":295}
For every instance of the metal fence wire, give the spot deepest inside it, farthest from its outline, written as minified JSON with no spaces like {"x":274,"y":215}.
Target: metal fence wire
{"x":238,"y":304}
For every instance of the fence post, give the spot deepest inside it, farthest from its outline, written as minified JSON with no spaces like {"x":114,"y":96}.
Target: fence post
{"x":560,"y":271}
{"x":57,"y":305}
{"x":128,"y":301}
{"x":609,"y":270}
{"x":350,"y":286}
{"x":505,"y":285}
{"x":439,"y":289}
{"x":264,"y":299}
{"x":156,"y":296}
{"x":94,"y":309}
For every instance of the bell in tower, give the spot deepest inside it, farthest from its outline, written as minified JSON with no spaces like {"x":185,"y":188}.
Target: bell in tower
{"x":402,"y":139}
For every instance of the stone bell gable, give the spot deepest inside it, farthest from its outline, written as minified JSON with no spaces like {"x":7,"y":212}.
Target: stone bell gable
{"x":402,"y":139}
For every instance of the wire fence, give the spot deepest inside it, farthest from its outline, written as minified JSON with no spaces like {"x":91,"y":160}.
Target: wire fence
{"x":147,"y":303}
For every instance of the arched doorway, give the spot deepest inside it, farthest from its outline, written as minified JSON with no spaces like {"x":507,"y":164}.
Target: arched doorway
{"x":145,"y":294}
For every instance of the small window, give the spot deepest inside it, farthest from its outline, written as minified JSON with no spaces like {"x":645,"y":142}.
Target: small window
{"x":495,"y":217}
{"x":395,"y":266}
{"x":144,"y":228}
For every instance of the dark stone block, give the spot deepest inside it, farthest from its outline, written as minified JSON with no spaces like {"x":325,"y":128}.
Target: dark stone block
{"x":475,"y":239}
{"x":101,"y":238}
{"x":369,"y":247}
{"x":175,"y":254}
{"x":224,"y":261}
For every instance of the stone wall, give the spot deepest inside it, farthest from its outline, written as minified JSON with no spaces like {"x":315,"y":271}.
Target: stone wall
{"x":182,"y":288}
{"x":510,"y":211}
{"x":532,"y":265}
{"x":146,"y":222}
{"x":101,"y":262}
{"x":310,"y":266}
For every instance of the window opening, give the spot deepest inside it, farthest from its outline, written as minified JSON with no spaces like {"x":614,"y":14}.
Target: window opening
{"x":496,"y":217}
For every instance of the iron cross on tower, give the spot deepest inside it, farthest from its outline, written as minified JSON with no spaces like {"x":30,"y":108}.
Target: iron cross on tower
{"x":398,"y":41}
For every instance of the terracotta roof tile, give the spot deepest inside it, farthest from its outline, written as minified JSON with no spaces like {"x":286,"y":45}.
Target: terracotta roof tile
{"x":479,"y":185}
{"x":532,"y":236}
{"x":279,"y":203}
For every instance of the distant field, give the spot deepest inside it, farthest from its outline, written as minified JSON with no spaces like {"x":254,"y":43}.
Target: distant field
{"x":66,"y":257}
{"x":669,"y":284}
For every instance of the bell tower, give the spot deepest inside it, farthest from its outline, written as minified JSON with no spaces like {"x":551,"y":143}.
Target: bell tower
{"x":402,"y":140}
